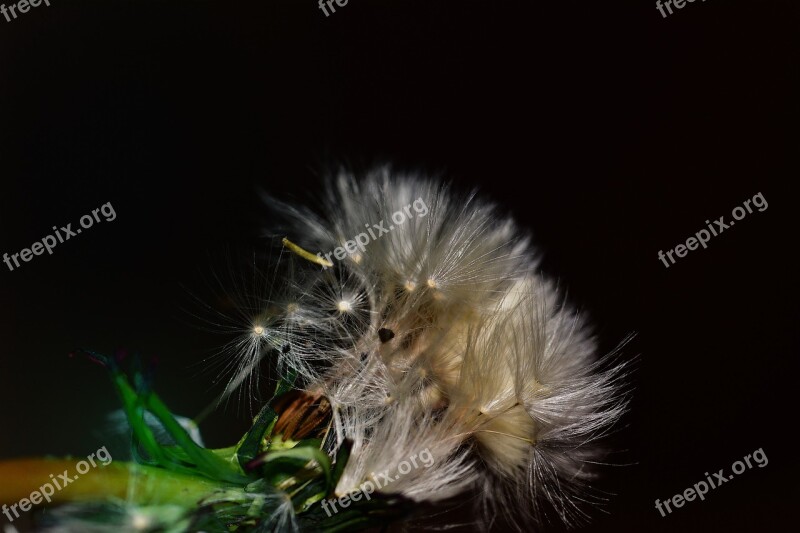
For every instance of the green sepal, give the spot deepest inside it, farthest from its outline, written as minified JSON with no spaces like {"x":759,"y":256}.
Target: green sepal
{"x":251,"y":444}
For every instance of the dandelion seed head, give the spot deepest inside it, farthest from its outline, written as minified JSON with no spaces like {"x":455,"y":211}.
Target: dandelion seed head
{"x":444,"y":336}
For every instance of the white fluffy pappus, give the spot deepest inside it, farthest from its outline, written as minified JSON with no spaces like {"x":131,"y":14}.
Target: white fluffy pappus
{"x":440,"y":334}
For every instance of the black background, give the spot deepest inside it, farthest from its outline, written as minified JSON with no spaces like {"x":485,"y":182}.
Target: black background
{"x":609,"y":131}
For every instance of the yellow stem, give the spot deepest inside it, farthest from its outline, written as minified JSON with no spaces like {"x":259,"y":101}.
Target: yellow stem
{"x":125,"y":481}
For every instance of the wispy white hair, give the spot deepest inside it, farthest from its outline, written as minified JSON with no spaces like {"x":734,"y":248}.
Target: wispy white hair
{"x":437,"y":332}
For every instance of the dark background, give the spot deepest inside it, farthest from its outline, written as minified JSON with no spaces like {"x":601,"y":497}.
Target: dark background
{"x":609,"y":131}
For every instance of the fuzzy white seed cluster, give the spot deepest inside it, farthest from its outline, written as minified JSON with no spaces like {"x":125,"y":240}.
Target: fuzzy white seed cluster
{"x":441,"y":336}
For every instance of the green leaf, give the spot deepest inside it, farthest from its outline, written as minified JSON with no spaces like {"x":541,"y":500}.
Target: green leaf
{"x":250,"y":446}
